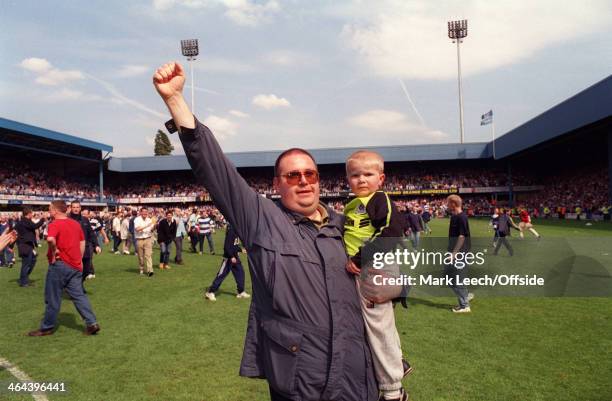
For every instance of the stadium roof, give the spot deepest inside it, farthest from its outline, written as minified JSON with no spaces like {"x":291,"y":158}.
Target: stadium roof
{"x":29,"y":137}
{"x":322,"y":156}
{"x":587,"y":107}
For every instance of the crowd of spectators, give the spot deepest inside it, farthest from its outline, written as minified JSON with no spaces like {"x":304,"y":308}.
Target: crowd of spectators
{"x":585,"y":187}
{"x":24,"y":179}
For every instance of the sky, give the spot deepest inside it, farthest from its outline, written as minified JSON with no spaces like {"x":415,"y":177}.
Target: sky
{"x":275,"y":74}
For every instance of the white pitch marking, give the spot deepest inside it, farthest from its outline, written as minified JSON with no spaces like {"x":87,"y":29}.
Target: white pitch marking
{"x":21,"y":376}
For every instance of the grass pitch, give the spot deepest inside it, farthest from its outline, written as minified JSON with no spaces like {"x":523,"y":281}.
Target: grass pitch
{"x":161,"y":340}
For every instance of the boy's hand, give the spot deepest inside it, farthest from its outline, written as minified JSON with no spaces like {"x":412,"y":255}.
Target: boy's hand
{"x":352,"y":268}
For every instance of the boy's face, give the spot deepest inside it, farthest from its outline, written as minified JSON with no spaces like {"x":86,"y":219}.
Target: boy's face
{"x":364,"y":177}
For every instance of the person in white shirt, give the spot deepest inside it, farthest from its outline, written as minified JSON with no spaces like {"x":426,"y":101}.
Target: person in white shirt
{"x":143,"y":227}
{"x":125,"y":234}
{"x":116,"y":229}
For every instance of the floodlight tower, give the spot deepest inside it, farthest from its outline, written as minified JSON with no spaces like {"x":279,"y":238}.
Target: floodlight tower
{"x":457,"y":30}
{"x":189,"y":48}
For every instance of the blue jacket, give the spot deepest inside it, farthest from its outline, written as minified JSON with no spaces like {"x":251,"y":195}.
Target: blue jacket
{"x":305,"y":331}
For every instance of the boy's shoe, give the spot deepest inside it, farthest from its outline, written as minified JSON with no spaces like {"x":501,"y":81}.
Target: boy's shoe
{"x":458,"y":309}
{"x":166,"y":266}
{"x":161,"y":266}
{"x":150,"y":274}
{"x":210,"y":296}
{"x":116,"y":252}
{"x":243,"y":294}
{"x":403,"y":396}
{"x":470,"y":296}
{"x":407,"y":368}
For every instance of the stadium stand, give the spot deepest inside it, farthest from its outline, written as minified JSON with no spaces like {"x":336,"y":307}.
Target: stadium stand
{"x":559,"y":159}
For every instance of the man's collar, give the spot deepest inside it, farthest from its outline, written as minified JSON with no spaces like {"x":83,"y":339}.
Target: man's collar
{"x":328,"y":216}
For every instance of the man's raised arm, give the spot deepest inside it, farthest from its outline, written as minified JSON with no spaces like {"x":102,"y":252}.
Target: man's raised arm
{"x":169,"y":80}
{"x":236,"y":200}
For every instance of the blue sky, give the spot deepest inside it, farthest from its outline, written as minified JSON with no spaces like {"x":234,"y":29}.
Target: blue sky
{"x":276,"y":74}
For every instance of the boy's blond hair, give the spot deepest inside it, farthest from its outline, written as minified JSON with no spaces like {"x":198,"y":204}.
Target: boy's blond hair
{"x":367,"y":156}
{"x":455,"y":200}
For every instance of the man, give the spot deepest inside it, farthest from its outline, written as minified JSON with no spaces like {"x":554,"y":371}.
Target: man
{"x":131,"y":230}
{"x":459,"y":242}
{"x":192,"y":228}
{"x":181,"y":232}
{"x":502,"y":227}
{"x":426,"y":216}
{"x":305,"y":332}
{"x":65,"y":254}
{"x":125,"y":233}
{"x":91,"y":241}
{"x":143,"y":227}
{"x":97,"y":225}
{"x":416,"y":226}
{"x":525,"y":224}
{"x":166,"y":232}
{"x":205,"y":226}
{"x":26,"y":242}
{"x":116,"y":229}
{"x":231,"y":262}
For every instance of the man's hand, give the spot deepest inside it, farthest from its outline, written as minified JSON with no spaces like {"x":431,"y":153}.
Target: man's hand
{"x":98,"y":250}
{"x":169,"y":80}
{"x":234,"y":261}
{"x":351,"y":267}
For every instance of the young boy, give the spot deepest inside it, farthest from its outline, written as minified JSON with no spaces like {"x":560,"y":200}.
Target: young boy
{"x":369,"y":216}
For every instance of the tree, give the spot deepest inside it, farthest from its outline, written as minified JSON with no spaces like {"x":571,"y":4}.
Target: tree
{"x":163,"y":147}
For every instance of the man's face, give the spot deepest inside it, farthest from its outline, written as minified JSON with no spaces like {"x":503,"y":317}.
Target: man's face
{"x":364,"y":178}
{"x":301,"y":197}
{"x":85,"y":213}
{"x":144,"y":213}
{"x":169,"y":216}
{"x":75,"y":208}
{"x":52,"y":211}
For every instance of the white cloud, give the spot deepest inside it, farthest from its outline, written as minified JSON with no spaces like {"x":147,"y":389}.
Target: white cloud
{"x":270,"y":101}
{"x":249,"y":13}
{"x":56,"y":77}
{"x":238,"y":113}
{"x":221,"y":127}
{"x":392,"y":121}
{"x":241,"y":12}
{"x":409,"y":40}
{"x":131,"y":70}
{"x":47,"y":75}
{"x":36,"y":64}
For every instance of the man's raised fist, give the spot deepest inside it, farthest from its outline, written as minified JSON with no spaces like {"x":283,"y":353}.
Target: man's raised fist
{"x":169,"y":80}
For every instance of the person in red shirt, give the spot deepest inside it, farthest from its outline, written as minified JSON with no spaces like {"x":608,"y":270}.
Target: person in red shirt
{"x":525,"y":224}
{"x":66,"y":246}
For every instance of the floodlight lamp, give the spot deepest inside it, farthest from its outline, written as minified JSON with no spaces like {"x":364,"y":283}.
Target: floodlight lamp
{"x":189,"y":47}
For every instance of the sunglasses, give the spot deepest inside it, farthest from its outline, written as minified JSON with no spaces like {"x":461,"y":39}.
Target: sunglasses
{"x":294,"y":177}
